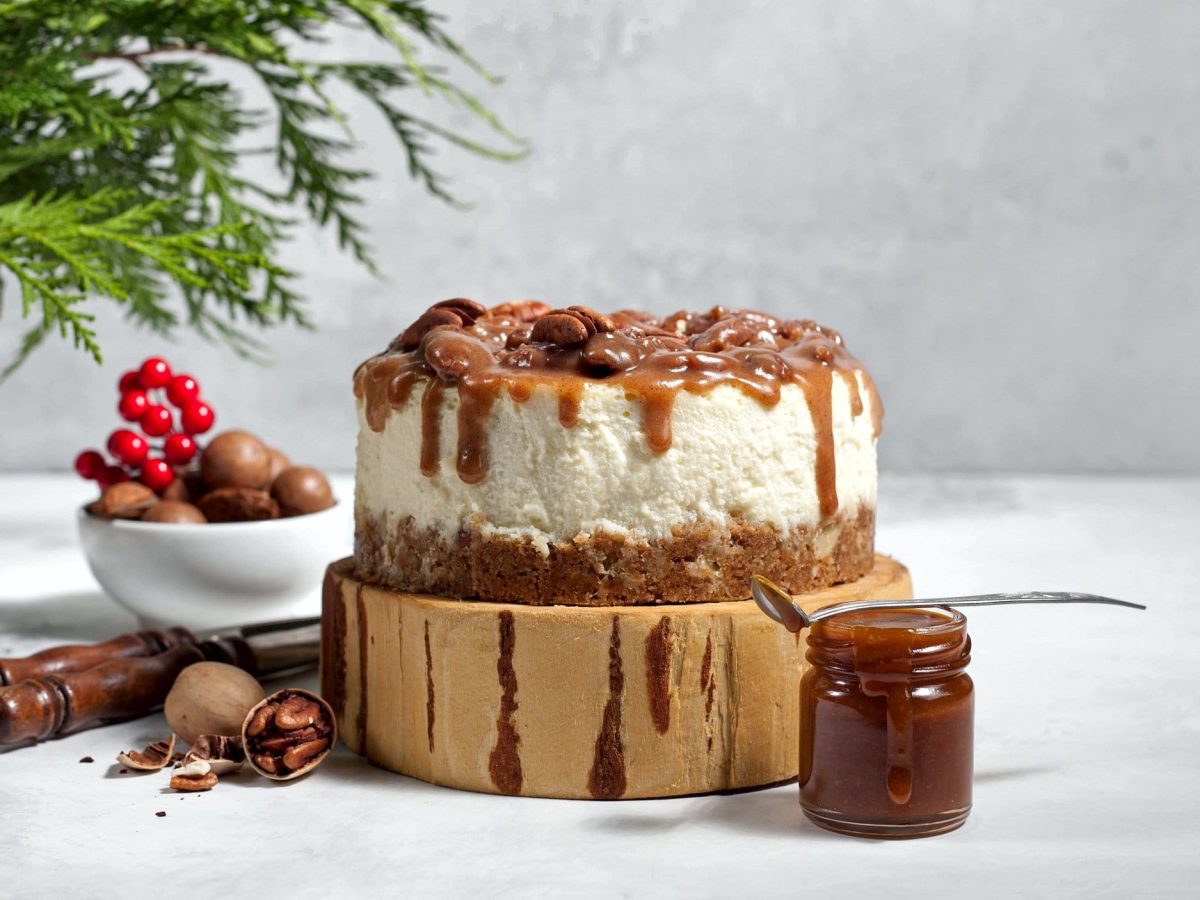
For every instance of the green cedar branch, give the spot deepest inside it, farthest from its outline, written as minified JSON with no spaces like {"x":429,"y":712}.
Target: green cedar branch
{"x":122,"y":149}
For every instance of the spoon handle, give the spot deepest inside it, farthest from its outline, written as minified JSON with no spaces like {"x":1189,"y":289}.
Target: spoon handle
{"x":969,"y":600}
{"x":782,"y":607}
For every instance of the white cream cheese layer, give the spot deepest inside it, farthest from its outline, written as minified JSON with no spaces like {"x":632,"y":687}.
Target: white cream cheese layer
{"x":731,"y":456}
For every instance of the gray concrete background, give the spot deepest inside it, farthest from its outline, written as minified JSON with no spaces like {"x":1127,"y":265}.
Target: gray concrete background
{"x":995,"y":202}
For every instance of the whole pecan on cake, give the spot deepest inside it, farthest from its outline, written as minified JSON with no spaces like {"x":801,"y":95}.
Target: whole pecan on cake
{"x":723,"y":334}
{"x":453,"y":354}
{"x":614,"y":352}
{"x":518,"y":337}
{"x":561,"y":327}
{"x":599,"y":321}
{"x":468,"y":310}
{"x":455,"y":313}
{"x":571,"y":326}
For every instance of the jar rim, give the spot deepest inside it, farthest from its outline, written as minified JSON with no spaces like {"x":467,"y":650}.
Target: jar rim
{"x":930,"y":649}
{"x":950,"y":620}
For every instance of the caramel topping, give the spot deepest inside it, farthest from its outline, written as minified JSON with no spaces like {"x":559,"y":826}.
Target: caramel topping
{"x":518,"y":347}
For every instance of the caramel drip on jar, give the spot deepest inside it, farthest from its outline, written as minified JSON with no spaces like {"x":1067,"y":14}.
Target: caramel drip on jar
{"x":885,"y":670}
{"x":651,"y":359}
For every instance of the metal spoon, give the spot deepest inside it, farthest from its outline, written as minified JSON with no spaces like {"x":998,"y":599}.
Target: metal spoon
{"x":779,"y":605}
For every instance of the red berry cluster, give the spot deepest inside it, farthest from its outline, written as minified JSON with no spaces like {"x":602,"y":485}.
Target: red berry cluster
{"x":162,"y":443}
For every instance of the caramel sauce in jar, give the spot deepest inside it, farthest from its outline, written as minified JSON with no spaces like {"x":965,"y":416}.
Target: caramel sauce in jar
{"x":887,"y":716}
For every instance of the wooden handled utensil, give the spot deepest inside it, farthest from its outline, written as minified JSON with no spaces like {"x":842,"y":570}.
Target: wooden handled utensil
{"x":78,"y":657}
{"x":67,"y":689}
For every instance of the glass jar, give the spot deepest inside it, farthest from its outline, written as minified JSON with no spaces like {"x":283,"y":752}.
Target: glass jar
{"x":887,"y":723}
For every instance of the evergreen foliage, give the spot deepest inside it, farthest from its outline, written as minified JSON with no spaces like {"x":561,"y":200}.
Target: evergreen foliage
{"x":119,"y":151}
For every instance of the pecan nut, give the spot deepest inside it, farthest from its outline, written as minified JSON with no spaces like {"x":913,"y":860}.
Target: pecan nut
{"x":468,"y":310}
{"x":288,"y":734}
{"x":563,"y":327}
{"x":126,"y":500}
{"x":518,"y":337}
{"x":193,"y":777}
{"x":430,"y":319}
{"x":189,"y":784}
{"x":237,"y":504}
{"x":297,"y":711}
{"x":723,"y":334}
{"x":599,"y":321}
{"x":299,"y":755}
{"x":259,"y":720}
{"x":608,"y":353}
{"x":452,"y":354}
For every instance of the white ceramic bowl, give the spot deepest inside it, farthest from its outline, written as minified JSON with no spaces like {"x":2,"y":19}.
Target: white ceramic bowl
{"x":216,"y":575}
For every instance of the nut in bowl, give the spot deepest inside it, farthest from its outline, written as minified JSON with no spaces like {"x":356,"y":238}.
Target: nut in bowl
{"x":213,"y":575}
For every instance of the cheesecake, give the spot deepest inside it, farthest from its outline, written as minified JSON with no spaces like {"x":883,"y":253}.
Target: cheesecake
{"x":543,"y":456}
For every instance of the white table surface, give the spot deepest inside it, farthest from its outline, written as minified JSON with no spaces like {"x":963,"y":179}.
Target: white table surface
{"x":1087,"y":744}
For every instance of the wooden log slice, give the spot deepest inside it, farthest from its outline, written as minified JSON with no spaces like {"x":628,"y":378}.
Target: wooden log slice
{"x":573,"y":702}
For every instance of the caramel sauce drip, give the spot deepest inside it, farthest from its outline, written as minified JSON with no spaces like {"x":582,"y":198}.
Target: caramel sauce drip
{"x":651,"y":359}
{"x":896,"y":687}
{"x":657,"y":405}
{"x":431,"y":428}
{"x":856,"y":399}
{"x":570,"y":398}
{"x":474,"y":409}
{"x":885,"y":650}
{"x":819,"y":389}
